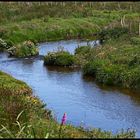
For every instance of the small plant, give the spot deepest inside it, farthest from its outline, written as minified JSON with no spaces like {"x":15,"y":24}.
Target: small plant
{"x":60,"y":58}
{"x":63,"y":121}
{"x":3,"y":45}
{"x":82,"y":49}
{"x":135,"y":40}
{"x":112,"y":33}
{"x":25,"y":49}
{"x":24,"y":130}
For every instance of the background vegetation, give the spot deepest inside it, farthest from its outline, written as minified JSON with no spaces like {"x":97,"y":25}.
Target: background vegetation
{"x":47,"y":21}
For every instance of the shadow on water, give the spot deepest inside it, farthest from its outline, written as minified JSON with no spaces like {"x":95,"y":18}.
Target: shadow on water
{"x":62,"y":69}
{"x":27,"y":60}
{"x":133,"y":94}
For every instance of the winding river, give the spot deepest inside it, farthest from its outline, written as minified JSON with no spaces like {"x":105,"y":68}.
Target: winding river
{"x":66,"y":90}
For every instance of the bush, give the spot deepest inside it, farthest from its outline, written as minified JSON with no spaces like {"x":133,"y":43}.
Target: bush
{"x":82,"y":49}
{"x":112,"y":33}
{"x":60,"y":58}
{"x":9,"y":44}
{"x":110,"y":75}
{"x":102,"y":73}
{"x":113,"y":74}
{"x":3,"y":45}
{"x":25,"y":49}
{"x":92,"y":67}
{"x":131,"y":78}
{"x":135,"y":40}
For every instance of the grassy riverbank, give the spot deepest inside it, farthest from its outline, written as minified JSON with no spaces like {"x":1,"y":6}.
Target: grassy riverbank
{"x":51,"y":29}
{"x":25,"y":116}
{"x":116,"y":62}
{"x":40,"y":23}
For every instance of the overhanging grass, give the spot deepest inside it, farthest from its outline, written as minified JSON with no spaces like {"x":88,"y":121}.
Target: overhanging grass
{"x":7,"y":82}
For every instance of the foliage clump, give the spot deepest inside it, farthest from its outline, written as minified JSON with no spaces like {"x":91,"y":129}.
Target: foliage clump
{"x":113,"y":33}
{"x":135,"y":40}
{"x":60,"y":58}
{"x":116,"y":62}
{"x":25,"y":49}
{"x":4,"y":45}
{"x":82,"y":49}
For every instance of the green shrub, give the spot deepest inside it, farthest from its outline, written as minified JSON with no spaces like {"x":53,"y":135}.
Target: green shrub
{"x":135,"y":40}
{"x":3,"y":45}
{"x":25,"y":49}
{"x":9,"y":43}
{"x":131,"y":78}
{"x":82,"y":49}
{"x":112,"y":33}
{"x":135,"y":61}
{"x":113,"y":74}
{"x":110,"y":75}
{"x":92,"y":67}
{"x":60,"y":58}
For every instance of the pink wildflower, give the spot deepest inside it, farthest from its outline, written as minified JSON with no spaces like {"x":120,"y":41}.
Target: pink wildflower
{"x":63,"y":119}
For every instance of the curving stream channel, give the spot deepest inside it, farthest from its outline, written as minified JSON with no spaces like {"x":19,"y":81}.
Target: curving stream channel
{"x":66,"y":90}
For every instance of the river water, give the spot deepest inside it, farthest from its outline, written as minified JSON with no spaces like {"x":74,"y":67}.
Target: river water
{"x":66,"y":90}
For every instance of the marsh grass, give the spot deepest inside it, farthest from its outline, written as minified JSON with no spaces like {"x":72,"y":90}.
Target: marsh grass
{"x":116,"y":62}
{"x":49,"y":25}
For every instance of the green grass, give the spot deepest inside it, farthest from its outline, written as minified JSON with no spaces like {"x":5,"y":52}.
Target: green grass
{"x":47,"y":26}
{"x":116,"y":62}
{"x":38,"y":30}
{"x":9,"y":83}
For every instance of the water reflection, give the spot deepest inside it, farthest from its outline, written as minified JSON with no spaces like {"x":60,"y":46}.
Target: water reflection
{"x":61,"y":69}
{"x":134,"y":94}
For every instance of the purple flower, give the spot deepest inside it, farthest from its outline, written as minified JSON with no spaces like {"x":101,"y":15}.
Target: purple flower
{"x":63,"y":119}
